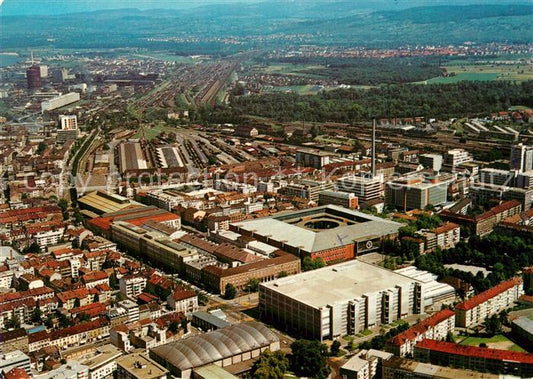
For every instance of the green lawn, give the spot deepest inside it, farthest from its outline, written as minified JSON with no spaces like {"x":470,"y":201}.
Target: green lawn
{"x":471,"y":76}
{"x":498,"y":341}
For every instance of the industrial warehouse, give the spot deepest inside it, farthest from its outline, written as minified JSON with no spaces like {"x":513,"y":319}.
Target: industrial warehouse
{"x":338,"y":300}
{"x":330,"y":232}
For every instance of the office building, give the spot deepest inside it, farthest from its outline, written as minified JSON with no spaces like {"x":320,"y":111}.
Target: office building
{"x":416,"y":192}
{"x":306,"y":189}
{"x":343,"y":199}
{"x":521,"y":157}
{"x":33,"y":77}
{"x":364,"y":188}
{"x":312,"y":158}
{"x":431,"y":161}
{"x":456,"y":157}
{"x":333,"y":301}
{"x":60,"y":101}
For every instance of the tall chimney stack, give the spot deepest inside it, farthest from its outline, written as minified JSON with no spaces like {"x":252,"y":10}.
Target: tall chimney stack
{"x":373,"y":147}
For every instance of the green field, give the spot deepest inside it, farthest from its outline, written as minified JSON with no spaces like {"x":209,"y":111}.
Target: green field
{"x":497,"y":342}
{"x":301,"y":90}
{"x":471,"y":76}
{"x":153,"y":131}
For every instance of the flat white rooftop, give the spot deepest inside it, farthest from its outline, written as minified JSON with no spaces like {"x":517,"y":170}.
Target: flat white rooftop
{"x":338,"y":283}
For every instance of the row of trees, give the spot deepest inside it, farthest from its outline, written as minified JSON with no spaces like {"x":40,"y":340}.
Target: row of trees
{"x":370,"y":71}
{"x":379,"y":342}
{"x":503,"y":255}
{"x":441,"y":101}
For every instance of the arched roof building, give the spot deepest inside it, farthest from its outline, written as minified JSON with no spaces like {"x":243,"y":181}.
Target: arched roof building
{"x":227,"y":346}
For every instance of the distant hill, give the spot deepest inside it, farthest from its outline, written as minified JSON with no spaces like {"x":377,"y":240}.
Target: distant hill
{"x":310,"y":22}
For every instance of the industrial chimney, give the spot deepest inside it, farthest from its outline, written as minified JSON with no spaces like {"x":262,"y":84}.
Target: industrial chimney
{"x":373,"y":147}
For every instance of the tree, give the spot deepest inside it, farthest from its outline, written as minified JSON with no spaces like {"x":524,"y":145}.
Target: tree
{"x":230,"y":291}
{"x":36,"y":315}
{"x":41,"y":147}
{"x":270,"y":365}
{"x":493,"y":325}
{"x":309,"y":359}
{"x":309,"y":264}
{"x":184,"y":325}
{"x":12,"y":323}
{"x":202,"y":298}
{"x":335,"y":348}
{"x":173,"y":327}
{"x":253,"y":285}
{"x":34,"y":248}
{"x":282,"y":274}
{"x":76,"y":303}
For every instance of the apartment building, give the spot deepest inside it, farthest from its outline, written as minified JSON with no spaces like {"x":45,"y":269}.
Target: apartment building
{"x":475,"y":358}
{"x":475,"y":310}
{"x":435,"y":327}
{"x":445,"y":236}
{"x":182,"y":300}
{"x":132,"y":285}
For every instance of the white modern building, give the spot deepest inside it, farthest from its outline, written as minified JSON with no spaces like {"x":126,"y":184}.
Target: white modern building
{"x":60,"y":101}
{"x":341,"y":299}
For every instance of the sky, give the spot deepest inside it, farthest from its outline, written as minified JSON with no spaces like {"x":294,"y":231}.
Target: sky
{"x":50,"y":7}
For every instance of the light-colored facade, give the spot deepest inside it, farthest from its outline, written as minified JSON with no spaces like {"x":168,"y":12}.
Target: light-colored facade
{"x":435,"y":327}
{"x":415,"y":193}
{"x":365,"y":188}
{"x":131,"y":286}
{"x":139,"y":366}
{"x":342,"y":299}
{"x":60,"y":101}
{"x":475,"y":310}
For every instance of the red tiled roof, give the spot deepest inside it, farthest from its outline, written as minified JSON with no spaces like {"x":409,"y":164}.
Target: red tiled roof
{"x":489,"y":294}
{"x":92,"y":310}
{"x":94,"y":276}
{"x":446,"y":227}
{"x":16,"y":373}
{"x":79,"y":328}
{"x":477,"y":352}
{"x":147,"y":297}
{"x":422,"y":327}
{"x":182,"y":294}
{"x":79,"y":293}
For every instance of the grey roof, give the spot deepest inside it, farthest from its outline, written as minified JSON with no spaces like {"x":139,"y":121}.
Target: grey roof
{"x":525,"y":323}
{"x":338,"y":284}
{"x":211,"y":319}
{"x":367,"y":227}
{"x":213,"y":346}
